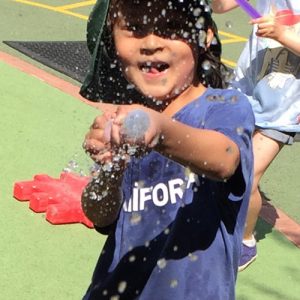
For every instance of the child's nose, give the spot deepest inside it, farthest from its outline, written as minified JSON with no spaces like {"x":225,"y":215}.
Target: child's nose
{"x":151,"y":44}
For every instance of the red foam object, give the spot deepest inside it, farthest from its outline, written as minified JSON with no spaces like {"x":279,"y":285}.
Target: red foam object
{"x":59,"y":198}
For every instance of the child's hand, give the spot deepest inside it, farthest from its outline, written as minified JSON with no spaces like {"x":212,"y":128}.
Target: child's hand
{"x":269,"y":27}
{"x":108,"y":135}
{"x":97,"y":140}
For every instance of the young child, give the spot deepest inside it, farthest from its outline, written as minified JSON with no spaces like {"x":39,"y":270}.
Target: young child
{"x":175,"y":212}
{"x":268,"y":72}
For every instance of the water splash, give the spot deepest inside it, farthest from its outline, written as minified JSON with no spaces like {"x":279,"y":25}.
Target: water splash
{"x":133,"y":129}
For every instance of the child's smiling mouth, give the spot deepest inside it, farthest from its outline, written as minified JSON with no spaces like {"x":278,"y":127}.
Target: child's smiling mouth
{"x":151,"y":67}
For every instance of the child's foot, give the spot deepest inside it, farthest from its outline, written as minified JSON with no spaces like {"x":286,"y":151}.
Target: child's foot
{"x":248,"y":256}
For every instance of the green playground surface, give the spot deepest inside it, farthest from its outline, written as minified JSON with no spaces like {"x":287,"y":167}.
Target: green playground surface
{"x":42,"y":127}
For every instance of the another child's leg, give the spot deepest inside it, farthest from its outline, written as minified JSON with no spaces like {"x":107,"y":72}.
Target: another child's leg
{"x":265,"y":150}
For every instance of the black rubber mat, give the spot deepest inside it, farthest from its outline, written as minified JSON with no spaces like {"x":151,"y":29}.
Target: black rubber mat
{"x":70,"y":58}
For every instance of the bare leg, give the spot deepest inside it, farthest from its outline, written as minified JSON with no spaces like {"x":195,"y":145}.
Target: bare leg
{"x":265,"y":150}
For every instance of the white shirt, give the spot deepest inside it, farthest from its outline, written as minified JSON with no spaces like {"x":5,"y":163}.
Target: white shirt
{"x":269,"y":74}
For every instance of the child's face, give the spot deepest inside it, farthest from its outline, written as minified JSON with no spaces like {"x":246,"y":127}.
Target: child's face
{"x":153,"y":50}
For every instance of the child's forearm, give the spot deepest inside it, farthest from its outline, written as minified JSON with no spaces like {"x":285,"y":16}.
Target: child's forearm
{"x":205,"y":152}
{"x":290,"y":41}
{"x":222,"y":6}
{"x":102,"y":199}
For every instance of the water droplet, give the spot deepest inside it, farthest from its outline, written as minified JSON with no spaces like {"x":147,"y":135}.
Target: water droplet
{"x":193,"y":257}
{"x":173,"y":283}
{"x":234,"y":99}
{"x":122,"y":286}
{"x":200,"y":23}
{"x":240,"y":130}
{"x":135,"y":218}
{"x":93,"y":196}
{"x":206,"y":65}
{"x":197,"y":12}
{"x":186,"y":34}
{"x":132,"y":258}
{"x":162,"y":263}
{"x":228,"y":24}
{"x":139,"y":184}
{"x":202,"y":38}
{"x":229,"y":150}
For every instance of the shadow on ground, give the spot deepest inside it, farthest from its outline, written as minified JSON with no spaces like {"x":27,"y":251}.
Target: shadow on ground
{"x":263,"y":228}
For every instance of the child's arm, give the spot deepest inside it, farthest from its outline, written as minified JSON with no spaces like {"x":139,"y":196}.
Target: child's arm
{"x":101,"y":200}
{"x":222,"y":6}
{"x":206,"y":152}
{"x":270,"y":27}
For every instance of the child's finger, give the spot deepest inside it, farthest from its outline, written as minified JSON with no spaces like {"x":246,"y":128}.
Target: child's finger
{"x":94,"y":140}
{"x":117,"y":123}
{"x":101,"y":121}
{"x":102,"y":158}
{"x":152,"y":139}
{"x":107,"y":130}
{"x":93,"y":146}
{"x":115,"y":132}
{"x":264,"y":19}
{"x":256,"y":21}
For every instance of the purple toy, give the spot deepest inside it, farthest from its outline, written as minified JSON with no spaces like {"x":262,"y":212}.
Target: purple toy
{"x":248,"y":8}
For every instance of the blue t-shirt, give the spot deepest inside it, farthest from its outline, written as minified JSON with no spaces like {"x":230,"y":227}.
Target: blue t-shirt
{"x":178,"y":234}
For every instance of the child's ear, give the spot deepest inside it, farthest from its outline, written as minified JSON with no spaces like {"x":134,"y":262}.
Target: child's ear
{"x":209,"y":37}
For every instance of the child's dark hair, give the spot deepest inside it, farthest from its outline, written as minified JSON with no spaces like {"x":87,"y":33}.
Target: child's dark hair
{"x":107,"y":82}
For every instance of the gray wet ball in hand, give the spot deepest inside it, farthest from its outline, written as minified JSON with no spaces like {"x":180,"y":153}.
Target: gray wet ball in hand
{"x":135,"y":125}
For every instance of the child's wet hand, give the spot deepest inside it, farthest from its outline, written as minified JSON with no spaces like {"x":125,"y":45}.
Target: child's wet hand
{"x":97,"y":140}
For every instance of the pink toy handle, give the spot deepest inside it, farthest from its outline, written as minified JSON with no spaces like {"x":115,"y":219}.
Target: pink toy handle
{"x":248,"y":8}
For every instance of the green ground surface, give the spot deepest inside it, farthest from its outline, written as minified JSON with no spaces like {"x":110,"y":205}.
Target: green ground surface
{"x":42,"y":130}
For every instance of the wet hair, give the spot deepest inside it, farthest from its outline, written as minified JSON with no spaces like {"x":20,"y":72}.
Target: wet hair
{"x":107,"y":81}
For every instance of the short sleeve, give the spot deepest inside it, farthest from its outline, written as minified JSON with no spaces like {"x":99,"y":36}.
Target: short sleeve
{"x":231,"y":114}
